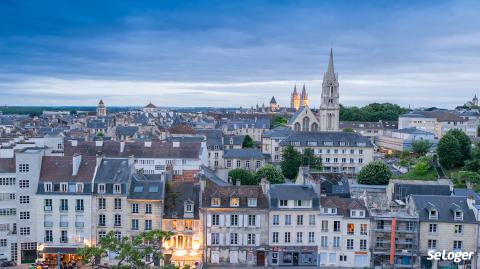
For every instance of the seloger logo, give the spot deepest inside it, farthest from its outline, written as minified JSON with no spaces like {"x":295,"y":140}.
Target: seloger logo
{"x":444,"y":255}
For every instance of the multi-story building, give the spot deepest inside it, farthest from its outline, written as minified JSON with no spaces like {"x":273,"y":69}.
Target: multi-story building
{"x":236,"y":224}
{"x":9,"y":192}
{"x":63,"y":207}
{"x":446,"y":223}
{"x":340,"y":151}
{"x":293,"y":222}
{"x":271,"y":142}
{"x":249,"y":159}
{"x":182,"y":217}
{"x":436,"y":122}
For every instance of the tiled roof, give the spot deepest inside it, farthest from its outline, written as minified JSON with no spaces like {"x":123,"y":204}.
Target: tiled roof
{"x":226,"y":192}
{"x":243,"y":154}
{"x":59,"y":169}
{"x":289,"y":191}
{"x":443,"y":204}
{"x":182,"y":191}
{"x":343,"y":205}
{"x":348,"y":139}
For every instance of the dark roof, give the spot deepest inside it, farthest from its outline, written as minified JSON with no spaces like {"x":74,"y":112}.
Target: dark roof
{"x":150,"y":105}
{"x":413,"y":130}
{"x":7,"y":165}
{"x":225,"y":192}
{"x":243,"y":154}
{"x":343,"y":205}
{"x":289,"y":191}
{"x":322,"y":138}
{"x":181,"y":191}
{"x":297,"y":113}
{"x":236,"y":139}
{"x":126,"y":130}
{"x":439,"y":115}
{"x":369,"y":124}
{"x":402,"y":190}
{"x":273,"y":101}
{"x":113,"y":170}
{"x":335,"y":184}
{"x":146,"y":187}
{"x":445,"y":205}
{"x":59,"y":169}
{"x":279,"y":131}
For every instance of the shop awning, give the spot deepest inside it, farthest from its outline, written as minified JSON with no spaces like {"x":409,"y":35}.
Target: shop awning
{"x":61,"y":250}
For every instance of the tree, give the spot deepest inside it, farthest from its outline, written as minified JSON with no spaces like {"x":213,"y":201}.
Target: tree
{"x":464,"y":141}
{"x":248,"y":142}
{"x":348,"y":130}
{"x":449,"y":152}
{"x":129,"y":251}
{"x":100,"y":134}
{"x":271,"y":173}
{"x":245,"y":177}
{"x":422,"y":168}
{"x":472,"y":165}
{"x":421,"y":147}
{"x":372,"y":112}
{"x":291,"y":161}
{"x":310,"y":159}
{"x":181,"y":129}
{"x":278,"y":121}
{"x":374,"y":173}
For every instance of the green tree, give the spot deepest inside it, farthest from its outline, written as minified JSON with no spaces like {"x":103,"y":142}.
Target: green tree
{"x":245,"y":177}
{"x":291,"y":161}
{"x":422,"y":167}
{"x":464,"y":141}
{"x":374,"y":173}
{"x":278,"y":121}
{"x":372,"y":112}
{"x":472,"y":165}
{"x":421,"y":147}
{"x":449,"y":152}
{"x":248,"y":142}
{"x":271,"y":173}
{"x":311,"y":160}
{"x":348,"y":130}
{"x":100,"y":134}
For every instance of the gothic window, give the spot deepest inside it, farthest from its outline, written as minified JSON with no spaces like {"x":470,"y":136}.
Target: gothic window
{"x":306,"y":124}
{"x":314,"y":127}
{"x":330,"y":123}
{"x":296,"y":126}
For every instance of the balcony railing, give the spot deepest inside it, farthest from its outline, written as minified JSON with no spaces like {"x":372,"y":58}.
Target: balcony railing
{"x":47,"y":208}
{"x":48,"y":224}
{"x":79,"y":224}
{"x":63,"y":223}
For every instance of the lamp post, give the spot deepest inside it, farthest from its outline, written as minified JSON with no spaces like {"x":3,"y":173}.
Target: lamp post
{"x":58,"y":260}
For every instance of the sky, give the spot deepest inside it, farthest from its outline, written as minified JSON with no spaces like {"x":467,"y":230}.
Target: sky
{"x":237,"y":53}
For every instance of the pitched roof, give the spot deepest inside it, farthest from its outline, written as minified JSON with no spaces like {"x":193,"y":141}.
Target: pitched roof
{"x":243,"y":154}
{"x":146,"y":187}
{"x":182,"y":191}
{"x":290,"y":191}
{"x":443,"y":204}
{"x":343,"y":205}
{"x":338,"y":139}
{"x":113,"y":170}
{"x":60,"y":168}
{"x":273,"y":101}
{"x":225,"y":192}
{"x":441,"y":116}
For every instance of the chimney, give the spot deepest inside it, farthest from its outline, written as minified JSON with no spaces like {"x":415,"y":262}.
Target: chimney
{"x":238,"y":183}
{"x":176,"y":144}
{"x":76,"y":161}
{"x":74,"y":143}
{"x":265,"y":184}
{"x":148,"y":144}
{"x":99,"y":143}
{"x":122,"y":146}
{"x":131,"y":163}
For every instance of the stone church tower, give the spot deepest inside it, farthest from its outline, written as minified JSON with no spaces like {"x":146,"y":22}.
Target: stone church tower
{"x":328,"y":113}
{"x":101,"y":109}
{"x":304,"y":97}
{"x":295,"y":99}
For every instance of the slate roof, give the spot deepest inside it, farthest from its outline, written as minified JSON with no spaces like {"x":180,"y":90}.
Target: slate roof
{"x":236,"y":139}
{"x":443,"y":204}
{"x":59,"y":169}
{"x":113,"y":170}
{"x":413,"y":130}
{"x":343,"y":205}
{"x":243,"y":154}
{"x":7,"y":165}
{"x":279,"y":131}
{"x":290,"y":191}
{"x":369,"y":124}
{"x":126,"y":130}
{"x":146,"y":187}
{"x":441,"y":116}
{"x":402,"y":190}
{"x":350,"y":139}
{"x":297,"y":113}
{"x":335,"y":184}
{"x":225,"y":192}
{"x":184,"y":191}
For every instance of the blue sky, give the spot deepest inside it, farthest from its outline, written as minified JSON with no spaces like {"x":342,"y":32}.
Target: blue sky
{"x":237,"y":53}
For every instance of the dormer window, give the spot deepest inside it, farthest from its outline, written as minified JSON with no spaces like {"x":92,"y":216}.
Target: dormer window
{"x":458,"y":215}
{"x":189,"y":208}
{"x":117,"y":188}
{"x":433,"y":214}
{"x":79,"y":187}
{"x":63,"y":187}
{"x":101,"y":188}
{"x":47,"y":187}
{"x":252,"y":202}
{"x":216,"y":201}
{"x":283,"y":203}
{"x":234,"y":202}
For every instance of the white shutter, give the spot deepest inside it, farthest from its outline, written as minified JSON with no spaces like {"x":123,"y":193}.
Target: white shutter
{"x":227,"y":221}
{"x":257,"y":240}
{"x":245,"y":239}
{"x":245,"y":220}
{"x":209,"y":220}
{"x":222,"y":242}
{"x":240,"y":221}
{"x":257,"y":220}
{"x":209,"y":239}
{"x":227,"y":242}
{"x":240,"y":242}
{"x":222,"y":220}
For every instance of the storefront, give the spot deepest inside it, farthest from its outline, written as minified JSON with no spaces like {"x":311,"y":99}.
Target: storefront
{"x":192,"y":258}
{"x":293,"y":256}
{"x":49,"y":255}
{"x":444,"y":264}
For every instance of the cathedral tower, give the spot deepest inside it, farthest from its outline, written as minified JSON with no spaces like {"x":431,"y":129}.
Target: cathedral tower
{"x":304,"y":97}
{"x":330,"y":106}
{"x":101,"y":109}
{"x":295,"y":99}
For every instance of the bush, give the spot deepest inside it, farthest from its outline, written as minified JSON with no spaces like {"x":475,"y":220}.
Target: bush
{"x":472,"y":166}
{"x":374,"y":173}
{"x":271,"y":173}
{"x":245,"y":177}
{"x":449,"y":153}
{"x":422,"y":168}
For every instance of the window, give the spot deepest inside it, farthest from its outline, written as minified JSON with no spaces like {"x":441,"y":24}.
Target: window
{"x":101,"y":234}
{"x":63,"y":187}
{"x":25,"y":215}
{"x":215,"y":201}
{"x":252,"y":202}
{"x":324,"y":225}
{"x":311,"y":237}
{"x":276,"y":220}
{"x":48,"y":236}
{"x":258,"y":164}
{"x":299,"y":219}
{"x":101,"y":220}
{"x":47,"y":187}
{"x":64,"y":237}
{"x":432,"y":228}
{"x":24,"y":230}
{"x":135,"y":224}
{"x":189,"y":208}
{"x":363,"y":229}
{"x":457,"y":245}
{"x":63,"y":205}
{"x":336,"y":226}
{"x":275,"y":237}
{"x":299,"y":237}
{"x":350,"y":228}
{"x":234,"y":201}
{"x":433,"y":214}
{"x":23,"y":168}
{"x":283,"y":203}
{"x":47,"y":205}
{"x":215,"y":239}
{"x":135,"y":208}
{"x":458,"y":215}
{"x":432,"y":244}
{"x":251,"y":220}
{"x":233,"y":239}
{"x":118,"y":235}
{"x":101,"y":188}
{"x":275,"y":258}
{"x":410,"y":226}
{"x":79,"y":205}
{"x":311,"y":220}
{"x":343,"y":258}
{"x":79,"y":187}
{"x":188,"y":225}
{"x":24,"y":199}
{"x":287,"y":237}
{"x":102,"y":203}
{"x":349,"y":243}
{"x":380,"y":224}
{"x":324,"y":241}
{"x":288,"y":220}
{"x":117,"y":220}
{"x":118,"y":203}
{"x":458,"y":229}
{"x":229,"y":163}
{"x":7,"y":181}
{"x":251,"y":239}
{"x":215,"y":220}
{"x":117,"y":188}
{"x":239,"y":163}
{"x":363,"y":244}
{"x":24,"y":183}
{"x":336,"y":242}
{"x":233,"y":220}
{"x":148,"y":208}
{"x":148,"y":224}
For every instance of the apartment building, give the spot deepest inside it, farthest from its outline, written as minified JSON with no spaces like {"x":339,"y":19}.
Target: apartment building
{"x":271,"y":142}
{"x":63,"y":207}
{"x":248,"y":159}
{"x":436,"y":122}
{"x":236,"y":225}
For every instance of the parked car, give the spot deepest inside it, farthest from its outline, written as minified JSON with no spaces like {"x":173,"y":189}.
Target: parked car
{"x":7,"y":263}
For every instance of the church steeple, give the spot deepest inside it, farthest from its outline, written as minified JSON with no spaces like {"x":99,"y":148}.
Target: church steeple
{"x":304,"y":97}
{"x":330,"y":69}
{"x":295,"y":98}
{"x":330,"y":103}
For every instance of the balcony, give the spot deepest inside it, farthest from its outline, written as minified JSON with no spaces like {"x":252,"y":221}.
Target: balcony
{"x":47,"y":208}
{"x":63,"y":223}
{"x":48,"y":224}
{"x":102,"y":224}
{"x":79,"y":224}
{"x":63,"y":209}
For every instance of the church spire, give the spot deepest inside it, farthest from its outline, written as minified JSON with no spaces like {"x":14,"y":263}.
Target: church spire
{"x":295,"y":88}
{"x":330,"y":69}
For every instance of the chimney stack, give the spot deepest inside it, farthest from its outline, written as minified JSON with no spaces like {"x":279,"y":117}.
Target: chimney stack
{"x":76,"y":161}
